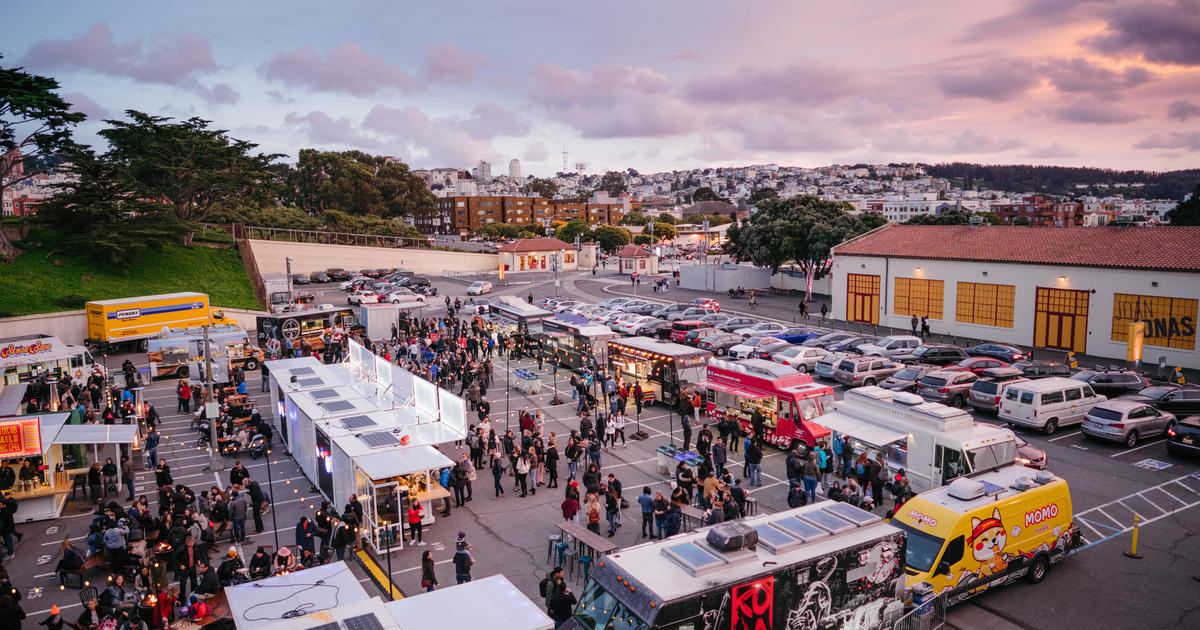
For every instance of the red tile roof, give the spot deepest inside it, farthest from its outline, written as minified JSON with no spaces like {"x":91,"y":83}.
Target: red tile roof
{"x":534,"y":245}
{"x":1165,"y":248}
{"x":633,"y":251}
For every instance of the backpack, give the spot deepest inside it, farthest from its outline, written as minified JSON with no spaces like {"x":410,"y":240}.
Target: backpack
{"x":543,"y":585}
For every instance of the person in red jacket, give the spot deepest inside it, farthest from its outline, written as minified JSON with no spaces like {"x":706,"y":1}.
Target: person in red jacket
{"x":415,"y":514}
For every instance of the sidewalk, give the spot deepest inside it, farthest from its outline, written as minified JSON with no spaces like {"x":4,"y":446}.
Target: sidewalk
{"x":970,"y":616}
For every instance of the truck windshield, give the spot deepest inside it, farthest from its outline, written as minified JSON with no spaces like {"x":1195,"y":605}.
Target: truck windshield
{"x":991,"y":455}
{"x":598,"y":609}
{"x":922,"y":548}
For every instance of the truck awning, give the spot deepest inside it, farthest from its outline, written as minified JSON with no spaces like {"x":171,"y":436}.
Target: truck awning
{"x":96,"y":434}
{"x":740,"y":392}
{"x":868,"y":432}
{"x":39,"y":350}
{"x":401,"y":461}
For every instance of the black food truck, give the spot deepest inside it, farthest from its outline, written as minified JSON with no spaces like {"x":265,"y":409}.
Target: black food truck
{"x":305,"y":326}
{"x":825,"y":565}
{"x":664,"y":369}
{"x":574,"y":339}
{"x":514,"y":315}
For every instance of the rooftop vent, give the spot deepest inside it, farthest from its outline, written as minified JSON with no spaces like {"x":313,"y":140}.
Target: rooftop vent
{"x":1021,"y":484}
{"x":907,"y":398}
{"x":965,"y":489}
{"x":1043,"y":477}
{"x":732,"y":536}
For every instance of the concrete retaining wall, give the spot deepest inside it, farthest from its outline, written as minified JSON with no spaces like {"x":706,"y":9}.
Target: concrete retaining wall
{"x":71,"y":326}
{"x":821,"y":286}
{"x":723,"y":277}
{"x":271,"y":256}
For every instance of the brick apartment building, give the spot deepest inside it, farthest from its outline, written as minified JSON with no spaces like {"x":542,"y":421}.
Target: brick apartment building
{"x":462,"y":214}
{"x":1041,"y":212}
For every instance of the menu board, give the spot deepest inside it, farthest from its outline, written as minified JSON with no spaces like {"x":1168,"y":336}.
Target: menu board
{"x":21,"y":438}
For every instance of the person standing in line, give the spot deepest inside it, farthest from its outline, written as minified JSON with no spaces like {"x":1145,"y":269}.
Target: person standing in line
{"x":239,"y":507}
{"x":809,"y":474}
{"x":127,"y":476}
{"x":753,"y":300}
{"x":462,"y":559}
{"x":686,"y":425}
{"x":824,"y":312}
{"x":754,"y":457}
{"x":804,"y":310}
{"x":498,"y":474}
{"x":924,"y":328}
{"x":428,"y":578}
{"x":151,"y":447}
{"x":266,"y":375}
{"x":914,"y":322}
{"x":646,"y":501}
{"x":415,"y":515}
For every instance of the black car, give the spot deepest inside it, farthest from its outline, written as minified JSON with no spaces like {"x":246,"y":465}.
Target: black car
{"x":906,"y":379}
{"x":1008,"y":354}
{"x":720,"y":344}
{"x":320,"y":276}
{"x":1112,"y":382}
{"x":1181,"y":400}
{"x":1042,"y":369}
{"x":828,"y":339}
{"x":337,"y":274}
{"x":659,"y":329}
{"x":851,"y":344}
{"x":1184,"y":437}
{"x":938,"y":354}
{"x":299,"y":278}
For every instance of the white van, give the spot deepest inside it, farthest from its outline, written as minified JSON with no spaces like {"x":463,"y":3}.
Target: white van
{"x":1047,"y":403}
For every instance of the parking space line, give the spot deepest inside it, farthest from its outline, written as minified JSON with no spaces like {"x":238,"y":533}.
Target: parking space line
{"x":1088,"y":524}
{"x":1147,"y":500}
{"x":1138,"y":448}
{"x":1173,"y":497}
{"x":1082,"y":516}
{"x":1065,"y":435}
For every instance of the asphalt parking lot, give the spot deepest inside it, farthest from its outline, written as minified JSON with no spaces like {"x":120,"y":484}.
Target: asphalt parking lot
{"x":1109,"y":484}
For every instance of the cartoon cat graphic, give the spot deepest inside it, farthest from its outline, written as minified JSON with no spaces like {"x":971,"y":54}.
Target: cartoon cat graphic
{"x":987,"y":542}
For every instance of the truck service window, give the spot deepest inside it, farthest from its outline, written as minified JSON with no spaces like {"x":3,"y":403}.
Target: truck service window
{"x":598,"y":608}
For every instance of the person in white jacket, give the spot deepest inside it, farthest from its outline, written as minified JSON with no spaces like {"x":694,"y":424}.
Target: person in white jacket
{"x":618,"y":424}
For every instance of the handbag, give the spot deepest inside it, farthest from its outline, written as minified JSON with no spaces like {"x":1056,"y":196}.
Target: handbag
{"x":426,"y":583}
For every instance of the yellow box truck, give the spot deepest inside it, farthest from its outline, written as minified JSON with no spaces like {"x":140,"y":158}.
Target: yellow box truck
{"x":131,"y":322}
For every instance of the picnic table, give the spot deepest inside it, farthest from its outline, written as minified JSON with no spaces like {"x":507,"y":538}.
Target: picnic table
{"x":691,"y":513}
{"x":586,"y":539}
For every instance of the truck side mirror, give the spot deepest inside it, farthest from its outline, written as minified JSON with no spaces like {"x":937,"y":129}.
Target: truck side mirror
{"x":943,"y":568}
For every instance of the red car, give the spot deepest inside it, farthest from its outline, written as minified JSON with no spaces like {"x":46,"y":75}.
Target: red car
{"x":709,"y":303}
{"x":976,"y":365}
{"x":682,"y":327}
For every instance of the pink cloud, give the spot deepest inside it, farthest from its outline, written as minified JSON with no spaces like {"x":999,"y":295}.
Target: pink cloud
{"x":1183,"y":110}
{"x":1081,"y":75}
{"x":448,"y":63}
{"x":1189,"y":141}
{"x":324,"y":129}
{"x":803,"y":84}
{"x":175,"y":59}
{"x":86,"y":106}
{"x":1160,"y":32}
{"x":535,"y":152}
{"x":1095,"y":114}
{"x":440,"y":141}
{"x":345,"y":68}
{"x":1000,"y":81}
{"x":611,"y":101}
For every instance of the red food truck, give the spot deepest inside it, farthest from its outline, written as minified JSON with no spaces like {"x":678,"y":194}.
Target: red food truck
{"x":788,"y":400}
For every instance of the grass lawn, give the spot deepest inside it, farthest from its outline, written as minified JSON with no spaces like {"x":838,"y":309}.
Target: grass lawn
{"x":33,"y":284}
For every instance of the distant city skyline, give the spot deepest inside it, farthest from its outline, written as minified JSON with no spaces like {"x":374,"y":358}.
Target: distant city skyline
{"x":652,"y":86}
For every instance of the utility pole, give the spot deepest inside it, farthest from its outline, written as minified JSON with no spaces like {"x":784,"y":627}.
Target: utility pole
{"x":211,"y":408}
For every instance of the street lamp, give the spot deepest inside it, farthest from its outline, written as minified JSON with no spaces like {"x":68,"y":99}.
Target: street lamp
{"x":271,"y":492}
{"x":387,"y":538}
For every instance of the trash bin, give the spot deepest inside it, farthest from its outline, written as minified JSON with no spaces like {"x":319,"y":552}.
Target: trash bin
{"x":663,"y":459}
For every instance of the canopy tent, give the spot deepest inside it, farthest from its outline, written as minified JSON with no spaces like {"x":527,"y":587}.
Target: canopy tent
{"x":873,"y":434}
{"x":507,"y":608}
{"x":96,"y":434}
{"x":314,"y":590}
{"x":388,"y":464}
{"x":11,"y":398}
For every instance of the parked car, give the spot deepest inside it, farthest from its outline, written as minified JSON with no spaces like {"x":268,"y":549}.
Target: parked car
{"x":1181,"y":400}
{"x":827,"y":365}
{"x":896,"y":347}
{"x":998,"y":351}
{"x":795,"y":335}
{"x":694,"y":337}
{"x":664,"y":312}
{"x":720,"y":343}
{"x":1184,"y":437}
{"x":734,"y":323}
{"x":630,"y":326}
{"x":852,"y":345}
{"x":1112,"y":382}
{"x":633,"y":305}
{"x":614,"y":302}
{"x":761,"y":328}
{"x":976,"y":365}
{"x":715,"y":320}
{"x":854,"y":371}
{"x":906,"y":379}
{"x":644,"y":308}
{"x":1028,"y":455}
{"x":828,"y":339}
{"x":479,"y":288}
{"x":802,"y":358}
{"x":946,"y":386}
{"x":371,"y":273}
{"x":681,"y":327}
{"x":938,"y":354}
{"x":756,"y":347}
{"x":986,"y":392}
{"x":564,"y":305}
{"x":299,"y":278}
{"x":320,"y":277}
{"x":1126,"y":421}
{"x":657,"y":328}
{"x":616,"y":323}
{"x":709,"y":303}
{"x":1035,"y":369}
{"x":400,"y":294}
{"x":337,"y":274}
{"x":691,"y":313}
{"x":363,"y":296}
{"x":1047,"y":404}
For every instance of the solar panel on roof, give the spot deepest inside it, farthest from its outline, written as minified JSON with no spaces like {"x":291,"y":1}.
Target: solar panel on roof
{"x":827,"y":521}
{"x":693,"y":557}
{"x":362,"y":622}
{"x":323,"y":393}
{"x":775,"y":540}
{"x":310,"y":382}
{"x":854,"y":515}
{"x":337,"y":405}
{"x":357,"y":422}
{"x":326,"y":626}
{"x":376,"y":440}
{"x":991,"y":488}
{"x":300,"y":371}
{"x":800,"y":529}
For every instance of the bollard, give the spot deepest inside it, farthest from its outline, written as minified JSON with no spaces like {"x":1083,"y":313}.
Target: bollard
{"x":1132,"y":553}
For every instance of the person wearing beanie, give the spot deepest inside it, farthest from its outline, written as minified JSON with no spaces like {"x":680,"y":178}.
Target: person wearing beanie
{"x":463,"y":559}
{"x":54,"y":621}
{"x":232,"y":570}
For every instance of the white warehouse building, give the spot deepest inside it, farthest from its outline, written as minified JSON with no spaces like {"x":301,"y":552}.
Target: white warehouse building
{"x":1073,"y":289}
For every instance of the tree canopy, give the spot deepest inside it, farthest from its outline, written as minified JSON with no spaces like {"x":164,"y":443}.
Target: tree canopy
{"x":542,"y":188}
{"x":613,"y":183}
{"x":356,"y":183}
{"x":763,"y":194}
{"x":713,"y":219}
{"x":575,"y":227}
{"x":1187,"y":212}
{"x":664,"y":230}
{"x":633,"y":218}
{"x":704,"y":193}
{"x":610,"y":238}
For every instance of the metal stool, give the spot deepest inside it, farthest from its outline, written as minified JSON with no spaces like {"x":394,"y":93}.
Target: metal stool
{"x":551,"y":541}
{"x":561,"y":547}
{"x":751,"y":506}
{"x":568,"y":563}
{"x":585,"y":562}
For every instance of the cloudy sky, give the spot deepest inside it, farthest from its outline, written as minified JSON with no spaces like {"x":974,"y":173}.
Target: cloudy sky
{"x":649,"y":84}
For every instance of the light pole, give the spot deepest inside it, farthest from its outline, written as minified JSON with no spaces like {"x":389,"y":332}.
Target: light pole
{"x":387,"y":537}
{"x":271,"y":492}
{"x":507,"y":381}
{"x":212,"y":410}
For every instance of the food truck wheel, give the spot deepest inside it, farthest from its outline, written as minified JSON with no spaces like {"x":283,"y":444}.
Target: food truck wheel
{"x":143,"y":345}
{"x":181,"y":371}
{"x":250,"y":366}
{"x":1037,"y":571}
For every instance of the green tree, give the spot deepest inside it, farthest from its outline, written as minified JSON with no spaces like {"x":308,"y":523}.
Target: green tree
{"x":1187,"y":212}
{"x":99,"y":217}
{"x":542,"y":188}
{"x":611,"y":238}
{"x":704,"y":193}
{"x":665,"y":218}
{"x":573,"y":228}
{"x":36,"y":121}
{"x":187,"y":165}
{"x":267,"y":215}
{"x":355,"y":182}
{"x":583,"y":194}
{"x":643,"y":239}
{"x":633,"y":218}
{"x":1020,"y":221}
{"x":872,"y":220}
{"x":664,"y":231}
{"x":613,"y":183}
{"x":763,"y":194}
{"x":801,"y":230}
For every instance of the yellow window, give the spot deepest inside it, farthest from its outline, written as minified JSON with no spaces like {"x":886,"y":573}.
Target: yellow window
{"x":1170,"y":321}
{"x":918,"y":296}
{"x":985,"y":304}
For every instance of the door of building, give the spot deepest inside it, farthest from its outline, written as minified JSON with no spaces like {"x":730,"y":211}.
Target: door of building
{"x":862,"y":298}
{"x":1060,"y":319}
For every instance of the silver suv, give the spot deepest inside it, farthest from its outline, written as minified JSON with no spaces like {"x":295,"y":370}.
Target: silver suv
{"x":986,"y":392}
{"x":946,"y":386}
{"x":1126,"y":421}
{"x":855,"y":371}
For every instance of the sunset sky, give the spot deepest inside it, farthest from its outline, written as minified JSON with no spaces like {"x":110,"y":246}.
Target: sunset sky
{"x":653,"y":85}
